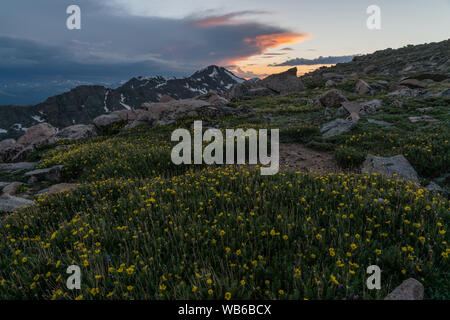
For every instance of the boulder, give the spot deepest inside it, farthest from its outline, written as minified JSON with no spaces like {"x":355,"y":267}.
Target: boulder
{"x":247,"y":90}
{"x":57,"y":188}
{"x":4,"y":184}
{"x":362,"y":87}
{"x":425,"y":109}
{"x":373,"y":103}
{"x":9,"y":149}
{"x":342,"y":112}
{"x":166,"y":98}
{"x":77,"y":132}
{"x":404,"y":93}
{"x":434,"y":187}
{"x":413,"y":83}
{"x":423,"y":118}
{"x":212,"y":98}
{"x":283,"y":83}
{"x":397,"y":165}
{"x":17,"y":166}
{"x":259,"y":92}
{"x":379,"y":122}
{"x":105,"y":121}
{"x":352,"y":106}
{"x":53,"y":174}
{"x":11,"y":204}
{"x":37,"y":136}
{"x":337,"y":127}
{"x":328,"y":113}
{"x":11,"y":188}
{"x":144,"y":118}
{"x":410,"y":289}
{"x":331,"y":99}
{"x":330,"y":83}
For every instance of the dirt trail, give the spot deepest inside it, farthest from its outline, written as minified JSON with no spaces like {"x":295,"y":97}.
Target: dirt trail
{"x":294,"y":156}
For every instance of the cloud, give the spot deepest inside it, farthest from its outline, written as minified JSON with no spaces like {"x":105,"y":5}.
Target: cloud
{"x":225,"y":19}
{"x":319,"y":60}
{"x":117,"y":44}
{"x":274,"y":54}
{"x":273,"y":40}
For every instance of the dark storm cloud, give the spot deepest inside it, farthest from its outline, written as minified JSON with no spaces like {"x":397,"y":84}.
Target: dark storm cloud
{"x":34,"y":41}
{"x":310,"y":62}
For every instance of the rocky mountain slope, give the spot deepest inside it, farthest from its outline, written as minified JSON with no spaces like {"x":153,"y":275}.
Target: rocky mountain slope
{"x":425,"y":61}
{"x":83,"y":103}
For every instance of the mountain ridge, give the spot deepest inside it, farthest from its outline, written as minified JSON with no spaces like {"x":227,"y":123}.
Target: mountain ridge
{"x":83,"y":103}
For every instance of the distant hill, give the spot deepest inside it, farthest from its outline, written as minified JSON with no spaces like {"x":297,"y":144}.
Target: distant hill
{"x":83,"y":103}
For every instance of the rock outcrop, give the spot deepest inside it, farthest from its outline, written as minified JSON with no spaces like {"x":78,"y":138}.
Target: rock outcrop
{"x":392,"y":167}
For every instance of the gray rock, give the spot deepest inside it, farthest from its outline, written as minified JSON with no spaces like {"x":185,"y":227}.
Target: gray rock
{"x":9,"y":149}
{"x":17,"y":166}
{"x":212,"y":98}
{"x":362,"y":87}
{"x":332,"y":99}
{"x":52,"y":174}
{"x":337,"y":127}
{"x":423,"y":118}
{"x":330,"y":83}
{"x":37,"y":135}
{"x":11,"y":204}
{"x":413,"y":83}
{"x":397,"y":165}
{"x":342,"y":112}
{"x":376,"y":103}
{"x":57,"y":188}
{"x":3,"y":184}
{"x":404,"y":93}
{"x":445,"y":93}
{"x":11,"y":188}
{"x":328,"y":113}
{"x":410,"y":289}
{"x":379,"y":122}
{"x":424,"y":109}
{"x":434,"y":187}
{"x":283,"y":83}
{"x":166,"y":98}
{"x":259,"y":92}
{"x":77,"y":132}
{"x":106,"y":120}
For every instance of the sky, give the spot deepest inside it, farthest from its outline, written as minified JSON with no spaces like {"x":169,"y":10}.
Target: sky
{"x":120,"y":39}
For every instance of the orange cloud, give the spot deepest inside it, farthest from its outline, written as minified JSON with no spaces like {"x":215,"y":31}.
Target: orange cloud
{"x":268,"y":41}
